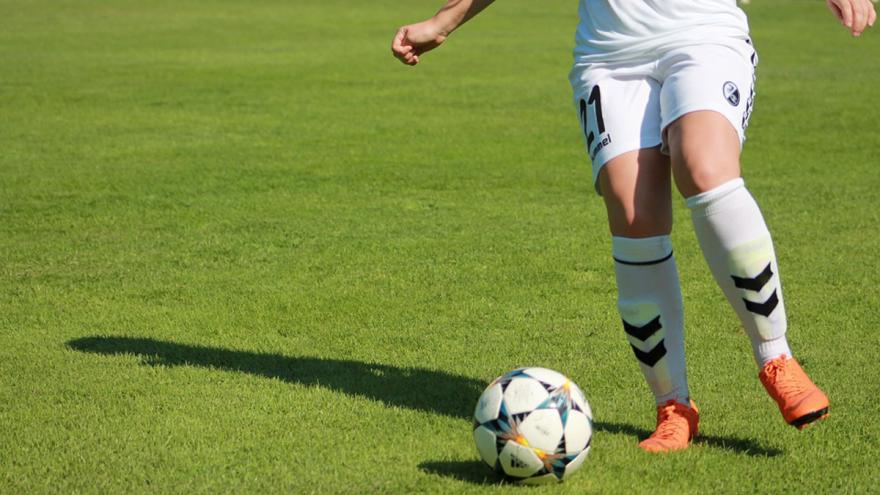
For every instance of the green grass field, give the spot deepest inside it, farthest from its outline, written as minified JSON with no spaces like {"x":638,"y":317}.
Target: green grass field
{"x":242,"y":249}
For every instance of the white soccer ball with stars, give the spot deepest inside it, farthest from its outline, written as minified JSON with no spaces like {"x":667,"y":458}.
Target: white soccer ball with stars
{"x":533,"y":425}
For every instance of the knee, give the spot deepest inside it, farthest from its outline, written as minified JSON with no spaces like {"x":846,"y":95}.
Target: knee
{"x":643,"y":220}
{"x":704,"y":174}
{"x":702,"y":157}
{"x":636,"y":189}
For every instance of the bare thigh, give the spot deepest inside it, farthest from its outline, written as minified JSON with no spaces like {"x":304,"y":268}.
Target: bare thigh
{"x":704,"y":149}
{"x":637,"y":188}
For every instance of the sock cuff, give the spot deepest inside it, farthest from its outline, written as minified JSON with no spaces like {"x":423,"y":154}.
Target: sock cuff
{"x":715,"y":194}
{"x":768,"y":350}
{"x":641,"y":251}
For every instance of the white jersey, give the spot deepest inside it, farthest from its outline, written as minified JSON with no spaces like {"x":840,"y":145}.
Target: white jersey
{"x":626,"y":30}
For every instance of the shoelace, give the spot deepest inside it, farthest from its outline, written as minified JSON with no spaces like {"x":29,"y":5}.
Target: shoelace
{"x":785,"y":382}
{"x":670,"y":425}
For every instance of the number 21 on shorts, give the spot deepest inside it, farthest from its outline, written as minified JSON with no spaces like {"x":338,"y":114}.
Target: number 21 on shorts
{"x":594,"y":102}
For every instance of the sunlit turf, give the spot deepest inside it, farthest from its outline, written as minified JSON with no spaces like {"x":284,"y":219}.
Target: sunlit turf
{"x":244,"y":250}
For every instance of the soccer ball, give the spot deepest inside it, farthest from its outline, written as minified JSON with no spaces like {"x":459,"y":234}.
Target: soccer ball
{"x":533,"y":425}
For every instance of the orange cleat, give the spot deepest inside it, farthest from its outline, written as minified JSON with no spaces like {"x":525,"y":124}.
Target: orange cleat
{"x":676,"y":425}
{"x":799,"y":399}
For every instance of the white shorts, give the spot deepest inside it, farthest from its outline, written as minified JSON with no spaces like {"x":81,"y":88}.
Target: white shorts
{"x":626,"y":106}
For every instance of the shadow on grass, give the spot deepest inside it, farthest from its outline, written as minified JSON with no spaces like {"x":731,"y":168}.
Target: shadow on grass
{"x":414,"y":388}
{"x":475,"y":472}
{"x":737,"y":445}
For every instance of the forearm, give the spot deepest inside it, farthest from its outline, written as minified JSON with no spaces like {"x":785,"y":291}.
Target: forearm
{"x":457,"y":12}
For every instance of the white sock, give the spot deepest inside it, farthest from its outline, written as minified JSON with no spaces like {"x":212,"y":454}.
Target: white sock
{"x":738,"y":248}
{"x":649,"y":301}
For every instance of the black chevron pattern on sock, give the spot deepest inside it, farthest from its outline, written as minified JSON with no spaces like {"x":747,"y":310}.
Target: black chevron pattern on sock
{"x":645,"y":331}
{"x":764,"y":308}
{"x":651,"y":357}
{"x":756,"y":283}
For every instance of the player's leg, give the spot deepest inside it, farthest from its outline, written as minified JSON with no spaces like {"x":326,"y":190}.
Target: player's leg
{"x":704,"y":143}
{"x":620,"y":118}
{"x":636,"y":187}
